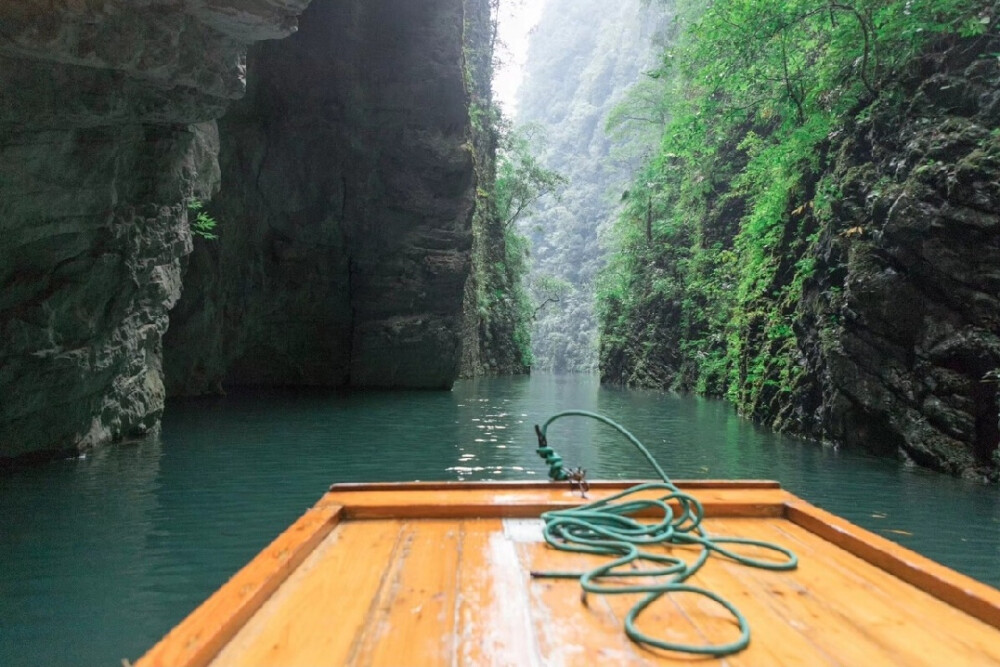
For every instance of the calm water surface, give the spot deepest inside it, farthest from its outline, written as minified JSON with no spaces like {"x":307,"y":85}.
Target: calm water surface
{"x":100,"y":556}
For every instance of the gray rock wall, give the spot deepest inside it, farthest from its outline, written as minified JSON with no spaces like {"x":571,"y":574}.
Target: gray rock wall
{"x":106,"y":131}
{"x":345,"y":209}
{"x":909,"y":364}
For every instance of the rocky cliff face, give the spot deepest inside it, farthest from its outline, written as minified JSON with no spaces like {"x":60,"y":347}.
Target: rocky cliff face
{"x":344,"y":215}
{"x":906,"y":307}
{"x":890,"y":341}
{"x":492,"y":343}
{"x":106,"y":132}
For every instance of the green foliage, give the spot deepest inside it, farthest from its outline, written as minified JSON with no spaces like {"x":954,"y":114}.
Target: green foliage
{"x":584,"y":54}
{"x":497,"y":310}
{"x":203,"y":224}
{"x":511,"y":181}
{"x":547,"y":289}
{"x":637,"y":122}
{"x":718,"y":236}
{"x":517,"y":269}
{"x":521,"y":179}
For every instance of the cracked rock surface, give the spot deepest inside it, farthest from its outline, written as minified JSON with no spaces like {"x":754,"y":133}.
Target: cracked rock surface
{"x":106,"y":133}
{"x":909,"y":365}
{"x":345,"y":213}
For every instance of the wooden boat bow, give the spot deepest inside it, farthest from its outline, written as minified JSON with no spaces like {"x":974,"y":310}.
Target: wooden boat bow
{"x":438,"y":573}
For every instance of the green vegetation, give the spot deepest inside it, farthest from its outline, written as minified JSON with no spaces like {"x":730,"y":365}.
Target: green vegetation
{"x":521,"y":181}
{"x":584,"y":55}
{"x":547,"y":289}
{"x":203,"y":224}
{"x":718,"y":235}
{"x":498,"y":309}
{"x":521,"y":178}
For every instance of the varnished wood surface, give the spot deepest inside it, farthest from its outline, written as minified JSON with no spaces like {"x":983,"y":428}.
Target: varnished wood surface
{"x":546,"y":485}
{"x":530,"y":500}
{"x":435,"y":574}
{"x":973,"y":596}
{"x":443,"y":592}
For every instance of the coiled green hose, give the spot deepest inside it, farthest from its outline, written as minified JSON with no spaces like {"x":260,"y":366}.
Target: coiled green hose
{"x":605,"y":527}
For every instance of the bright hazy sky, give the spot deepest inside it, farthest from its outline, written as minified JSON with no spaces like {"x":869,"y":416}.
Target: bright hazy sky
{"x":517,"y":18}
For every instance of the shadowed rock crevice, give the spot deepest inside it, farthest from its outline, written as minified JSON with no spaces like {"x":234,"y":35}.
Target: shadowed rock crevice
{"x":344,"y":216}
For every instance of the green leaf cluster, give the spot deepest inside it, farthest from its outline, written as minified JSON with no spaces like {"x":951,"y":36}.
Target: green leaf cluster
{"x":520,"y":182}
{"x":203,"y":224}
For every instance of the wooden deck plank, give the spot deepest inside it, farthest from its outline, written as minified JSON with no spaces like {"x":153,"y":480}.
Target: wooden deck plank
{"x":200,"y":636}
{"x":773,"y":639}
{"x":958,"y":590}
{"x":667,"y":618}
{"x":685,"y":618}
{"x":618,"y":485}
{"x":570,"y":632}
{"x":935,"y":617}
{"x":413,"y":620}
{"x":795,"y":605}
{"x":696,"y":620}
{"x":869,"y":619}
{"x":716,"y":625}
{"x":488,"y":502}
{"x":317,"y":617}
{"x":493,"y":606}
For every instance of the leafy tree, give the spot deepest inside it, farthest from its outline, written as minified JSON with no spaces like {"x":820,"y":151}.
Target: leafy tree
{"x":521,"y":178}
{"x":521,"y":181}
{"x":545,"y":289}
{"x":637,"y":122}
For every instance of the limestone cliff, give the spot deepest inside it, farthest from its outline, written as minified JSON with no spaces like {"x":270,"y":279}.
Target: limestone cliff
{"x":584,"y":55}
{"x":877,"y":323}
{"x":344,"y":215}
{"x":905,"y":307}
{"x":106,"y":133}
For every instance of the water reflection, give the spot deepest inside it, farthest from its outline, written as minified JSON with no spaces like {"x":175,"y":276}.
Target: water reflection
{"x":74,"y":536}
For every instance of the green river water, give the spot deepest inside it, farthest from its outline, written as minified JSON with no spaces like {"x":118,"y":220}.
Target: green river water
{"x":100,"y":556}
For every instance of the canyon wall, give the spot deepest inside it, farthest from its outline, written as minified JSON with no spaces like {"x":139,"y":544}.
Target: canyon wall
{"x":344,"y":216}
{"x":106,"y":133}
{"x":583,"y":56}
{"x":493,"y":332}
{"x":901,"y":324}
{"x":342,"y":183}
{"x":876,"y":320}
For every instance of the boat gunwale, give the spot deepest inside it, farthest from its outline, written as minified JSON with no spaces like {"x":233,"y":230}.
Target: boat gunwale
{"x":601,"y":484}
{"x":198,"y":639}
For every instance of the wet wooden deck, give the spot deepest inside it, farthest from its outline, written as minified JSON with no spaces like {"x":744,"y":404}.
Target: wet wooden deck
{"x":438,"y":574}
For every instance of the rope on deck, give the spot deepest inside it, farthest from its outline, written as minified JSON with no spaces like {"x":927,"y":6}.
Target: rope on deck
{"x":606,"y":527}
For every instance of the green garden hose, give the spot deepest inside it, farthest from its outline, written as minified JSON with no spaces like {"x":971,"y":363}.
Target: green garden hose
{"x":605,"y":527}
